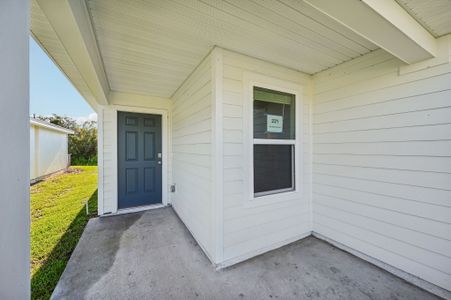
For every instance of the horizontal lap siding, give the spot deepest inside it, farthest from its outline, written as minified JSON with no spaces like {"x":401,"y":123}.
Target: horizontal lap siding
{"x":109,"y":164}
{"x":382,"y":163}
{"x":191,"y":147}
{"x":249,"y":230}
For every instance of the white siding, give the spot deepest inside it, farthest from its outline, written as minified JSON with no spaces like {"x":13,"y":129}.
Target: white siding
{"x":48,"y":151}
{"x":192,"y":154}
{"x":252,"y":229}
{"x":14,"y":151}
{"x":108,"y":139}
{"x":382,"y":163}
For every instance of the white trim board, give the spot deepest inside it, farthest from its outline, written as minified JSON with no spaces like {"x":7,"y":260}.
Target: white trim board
{"x":100,"y":163}
{"x":387,"y":25}
{"x":217,"y":144}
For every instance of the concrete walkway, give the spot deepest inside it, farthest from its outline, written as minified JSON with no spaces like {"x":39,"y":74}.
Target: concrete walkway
{"x":152,"y":255}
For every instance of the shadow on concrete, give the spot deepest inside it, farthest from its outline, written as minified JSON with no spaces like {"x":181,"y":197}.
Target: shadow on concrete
{"x":45,"y":279}
{"x":89,"y":262}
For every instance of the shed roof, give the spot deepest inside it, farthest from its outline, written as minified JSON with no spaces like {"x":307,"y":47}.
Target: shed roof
{"x":50,"y":126}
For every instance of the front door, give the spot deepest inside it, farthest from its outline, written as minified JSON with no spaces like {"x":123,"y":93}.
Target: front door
{"x":139,"y":159}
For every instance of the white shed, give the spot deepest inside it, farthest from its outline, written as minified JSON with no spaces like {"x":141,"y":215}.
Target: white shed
{"x":48,"y":149}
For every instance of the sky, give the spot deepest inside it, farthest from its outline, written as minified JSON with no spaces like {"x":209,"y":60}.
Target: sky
{"x":51,"y":92}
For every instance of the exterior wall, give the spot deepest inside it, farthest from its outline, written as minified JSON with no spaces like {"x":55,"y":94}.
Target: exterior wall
{"x":33,"y":153}
{"x":381,"y":162}
{"x":15,"y":151}
{"x":253,"y":228}
{"x":48,"y":151}
{"x":192,"y":155}
{"x":107,"y":160}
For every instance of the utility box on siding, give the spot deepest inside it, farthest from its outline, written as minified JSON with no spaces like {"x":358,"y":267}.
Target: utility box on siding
{"x":48,"y":149}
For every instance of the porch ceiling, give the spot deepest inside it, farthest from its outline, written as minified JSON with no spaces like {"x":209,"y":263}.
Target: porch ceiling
{"x":150,"y":47}
{"x":434,"y":15}
{"x":51,"y":44}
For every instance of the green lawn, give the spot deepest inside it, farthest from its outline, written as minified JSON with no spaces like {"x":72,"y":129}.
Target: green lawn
{"x":58,"y":217}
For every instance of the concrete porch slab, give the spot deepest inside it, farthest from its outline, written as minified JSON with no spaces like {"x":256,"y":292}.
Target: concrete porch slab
{"x":151,"y":255}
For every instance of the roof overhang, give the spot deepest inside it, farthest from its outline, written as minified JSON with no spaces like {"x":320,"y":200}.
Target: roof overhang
{"x":71,"y":22}
{"x":150,"y":47}
{"x":385,"y":23}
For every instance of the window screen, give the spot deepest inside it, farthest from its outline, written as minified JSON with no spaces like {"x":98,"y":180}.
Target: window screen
{"x":273,"y":168}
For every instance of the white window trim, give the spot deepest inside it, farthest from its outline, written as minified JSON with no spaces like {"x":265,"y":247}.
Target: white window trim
{"x":274,"y":142}
{"x":250,"y":80}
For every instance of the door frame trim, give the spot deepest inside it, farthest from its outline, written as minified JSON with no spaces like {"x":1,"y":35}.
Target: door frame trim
{"x":164,"y":141}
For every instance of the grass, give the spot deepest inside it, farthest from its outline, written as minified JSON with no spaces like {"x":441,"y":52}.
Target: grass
{"x":58,"y":217}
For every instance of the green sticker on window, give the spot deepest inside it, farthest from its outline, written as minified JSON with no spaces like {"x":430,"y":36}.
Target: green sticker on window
{"x":274,"y":123}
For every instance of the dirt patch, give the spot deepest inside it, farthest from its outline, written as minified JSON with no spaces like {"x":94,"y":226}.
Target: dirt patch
{"x":72,"y":170}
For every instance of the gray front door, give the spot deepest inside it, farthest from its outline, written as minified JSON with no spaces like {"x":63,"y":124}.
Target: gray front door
{"x":139,"y":159}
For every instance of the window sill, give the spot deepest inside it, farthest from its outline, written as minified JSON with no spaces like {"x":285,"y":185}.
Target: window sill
{"x":273,"y":192}
{"x":292,"y":195}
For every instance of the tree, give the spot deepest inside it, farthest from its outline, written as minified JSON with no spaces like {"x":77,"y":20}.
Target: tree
{"x":82,"y":144}
{"x":66,"y":122}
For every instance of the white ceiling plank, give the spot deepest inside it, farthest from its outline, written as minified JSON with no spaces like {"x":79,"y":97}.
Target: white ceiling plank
{"x":72,"y":24}
{"x":150,"y":47}
{"x":384,"y":23}
{"x":434,"y":15}
{"x":146,"y":39}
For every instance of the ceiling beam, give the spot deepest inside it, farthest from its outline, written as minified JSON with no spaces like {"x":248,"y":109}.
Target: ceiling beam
{"x":384,"y":23}
{"x":72,"y":24}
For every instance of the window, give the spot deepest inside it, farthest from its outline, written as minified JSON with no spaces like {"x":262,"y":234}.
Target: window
{"x":273,"y":168}
{"x":274,"y":123}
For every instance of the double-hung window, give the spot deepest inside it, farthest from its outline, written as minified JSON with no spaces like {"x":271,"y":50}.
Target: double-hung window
{"x":274,"y":141}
